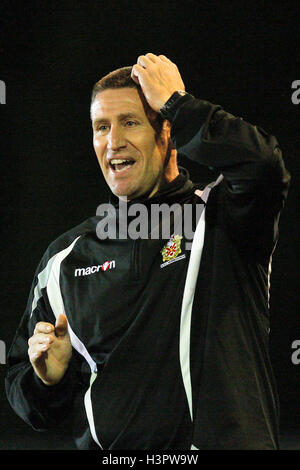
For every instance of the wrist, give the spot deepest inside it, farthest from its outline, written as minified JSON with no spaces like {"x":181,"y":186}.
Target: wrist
{"x":54,"y":383}
{"x":176,"y":98}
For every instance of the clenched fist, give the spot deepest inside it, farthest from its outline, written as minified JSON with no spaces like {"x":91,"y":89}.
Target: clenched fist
{"x":50,"y":350}
{"x":158,"y":78}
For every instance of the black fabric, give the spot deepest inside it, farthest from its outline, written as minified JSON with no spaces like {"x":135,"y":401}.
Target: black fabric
{"x":128,"y":317}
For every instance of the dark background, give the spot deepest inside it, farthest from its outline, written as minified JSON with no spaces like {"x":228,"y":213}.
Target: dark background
{"x":242,"y":55}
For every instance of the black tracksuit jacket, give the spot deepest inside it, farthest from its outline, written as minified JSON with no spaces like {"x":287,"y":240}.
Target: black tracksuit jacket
{"x":168,"y":355}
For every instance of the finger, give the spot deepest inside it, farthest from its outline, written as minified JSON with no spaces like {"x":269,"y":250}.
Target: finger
{"x":151,"y":57}
{"x":41,"y":347}
{"x":144,"y":61}
{"x":61,"y":325}
{"x":37,"y":352}
{"x":40,"y":338}
{"x":136,"y":72}
{"x":34,"y":355}
{"x":43,"y":327}
{"x":165,"y":59}
{"x":134,"y":77}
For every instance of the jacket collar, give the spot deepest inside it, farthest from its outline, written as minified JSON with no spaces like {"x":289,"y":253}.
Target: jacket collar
{"x":178,"y":188}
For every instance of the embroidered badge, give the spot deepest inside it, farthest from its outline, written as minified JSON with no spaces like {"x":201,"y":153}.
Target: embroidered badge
{"x":172,"y":249}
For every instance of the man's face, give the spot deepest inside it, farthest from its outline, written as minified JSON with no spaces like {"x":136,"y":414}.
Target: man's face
{"x":130,"y":153}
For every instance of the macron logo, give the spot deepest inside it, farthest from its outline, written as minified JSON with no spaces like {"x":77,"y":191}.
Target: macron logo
{"x":95,"y":269}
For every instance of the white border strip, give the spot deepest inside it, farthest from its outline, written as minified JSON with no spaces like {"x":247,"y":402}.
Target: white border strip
{"x":41,"y":284}
{"x":49,"y":278}
{"x":188,"y":299}
{"x":89,"y":409}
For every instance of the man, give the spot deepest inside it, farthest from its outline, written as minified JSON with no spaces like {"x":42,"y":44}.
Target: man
{"x":148,"y":344}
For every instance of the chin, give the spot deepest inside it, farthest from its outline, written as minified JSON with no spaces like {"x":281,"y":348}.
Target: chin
{"x":122,"y":194}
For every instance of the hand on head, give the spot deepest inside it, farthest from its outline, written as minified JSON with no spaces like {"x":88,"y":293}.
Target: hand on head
{"x":158,"y":77}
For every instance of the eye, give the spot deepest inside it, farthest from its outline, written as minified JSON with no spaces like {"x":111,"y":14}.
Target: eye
{"x":131,"y":123}
{"x":102,"y":128}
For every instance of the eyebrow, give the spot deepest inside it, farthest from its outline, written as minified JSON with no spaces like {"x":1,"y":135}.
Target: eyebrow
{"x":121,"y":117}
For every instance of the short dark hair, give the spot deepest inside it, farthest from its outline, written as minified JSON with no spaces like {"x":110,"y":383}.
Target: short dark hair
{"x":121,"y":78}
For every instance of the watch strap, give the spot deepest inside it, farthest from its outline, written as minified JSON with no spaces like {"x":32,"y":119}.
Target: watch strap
{"x":171,"y":102}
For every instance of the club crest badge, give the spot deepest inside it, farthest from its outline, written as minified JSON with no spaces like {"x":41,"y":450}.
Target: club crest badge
{"x":172,"y":249}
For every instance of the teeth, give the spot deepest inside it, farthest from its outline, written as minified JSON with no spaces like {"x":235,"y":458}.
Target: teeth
{"x":116,"y":161}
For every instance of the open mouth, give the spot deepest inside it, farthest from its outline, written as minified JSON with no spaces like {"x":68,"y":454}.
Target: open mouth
{"x":118,"y":165}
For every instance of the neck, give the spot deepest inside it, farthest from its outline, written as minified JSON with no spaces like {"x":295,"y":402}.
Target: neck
{"x":171,"y":172}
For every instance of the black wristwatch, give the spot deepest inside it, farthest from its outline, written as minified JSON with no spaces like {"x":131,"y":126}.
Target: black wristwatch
{"x":171,"y":101}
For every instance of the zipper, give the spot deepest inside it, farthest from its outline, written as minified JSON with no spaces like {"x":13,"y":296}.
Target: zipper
{"x":135,"y":259}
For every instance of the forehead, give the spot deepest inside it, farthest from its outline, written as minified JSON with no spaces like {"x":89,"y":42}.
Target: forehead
{"x":114,"y":101}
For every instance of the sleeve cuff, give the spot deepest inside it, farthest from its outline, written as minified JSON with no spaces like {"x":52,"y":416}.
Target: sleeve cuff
{"x":49,"y":389}
{"x":171,"y":110}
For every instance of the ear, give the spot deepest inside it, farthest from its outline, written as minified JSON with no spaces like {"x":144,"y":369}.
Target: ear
{"x":166,"y":132}
{"x":166,"y":125}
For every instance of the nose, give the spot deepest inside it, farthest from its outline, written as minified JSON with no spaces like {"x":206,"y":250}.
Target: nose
{"x":116,"y":138}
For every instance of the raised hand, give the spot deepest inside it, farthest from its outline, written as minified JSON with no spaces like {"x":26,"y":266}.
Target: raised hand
{"x":50,"y":350}
{"x":158,"y":77}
